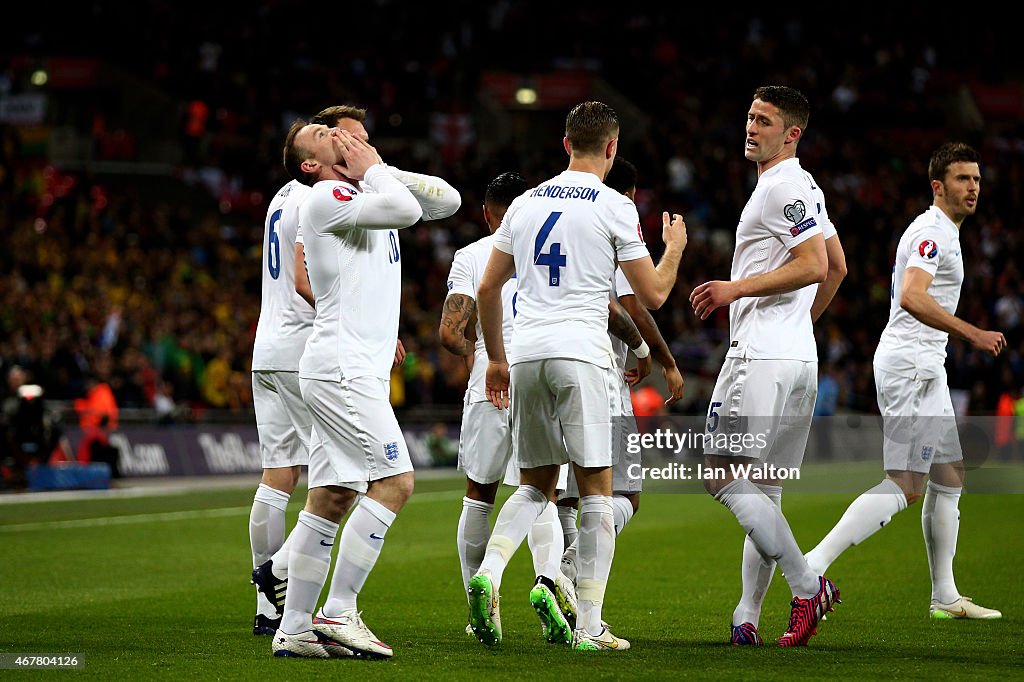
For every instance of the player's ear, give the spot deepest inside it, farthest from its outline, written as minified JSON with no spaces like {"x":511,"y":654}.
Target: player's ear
{"x":937,"y":188}
{"x":794,"y":134}
{"x":565,"y":143}
{"x":611,"y":148}
{"x":310,"y":166}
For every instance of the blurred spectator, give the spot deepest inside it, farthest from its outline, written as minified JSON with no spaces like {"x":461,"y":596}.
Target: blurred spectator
{"x":30,"y":431}
{"x":443,"y":450}
{"x":97,"y":417}
{"x":647,"y":402}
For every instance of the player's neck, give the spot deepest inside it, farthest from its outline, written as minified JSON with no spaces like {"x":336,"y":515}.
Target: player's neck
{"x":956,"y":218}
{"x":784,"y":155}
{"x":587,"y":164}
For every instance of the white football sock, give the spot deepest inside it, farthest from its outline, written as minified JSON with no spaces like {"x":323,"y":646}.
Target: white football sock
{"x":940,"y":522}
{"x":360,"y":545}
{"x":622,"y":510}
{"x":768,"y":529}
{"x":596,"y":551}
{"x":516,"y":517}
{"x":567,"y":516}
{"x":266,"y":533}
{"x":279,"y":567}
{"x":474,"y":531}
{"x":309,"y":562}
{"x":545,"y":541}
{"x":755,"y":570}
{"x":862,"y":519}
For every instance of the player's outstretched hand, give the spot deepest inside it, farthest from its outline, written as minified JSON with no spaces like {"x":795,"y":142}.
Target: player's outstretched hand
{"x":989,"y":342}
{"x":674,"y":381}
{"x":711,"y":295}
{"x":496,"y":382}
{"x":673,"y":231}
{"x":639,"y":373}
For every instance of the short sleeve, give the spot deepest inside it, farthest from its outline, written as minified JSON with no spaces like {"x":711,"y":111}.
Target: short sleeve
{"x":503,"y":235}
{"x":927,"y":249}
{"x":828,"y":230}
{"x":461,"y":278}
{"x":626,"y":233}
{"x":790,"y":214}
{"x":622,"y":286}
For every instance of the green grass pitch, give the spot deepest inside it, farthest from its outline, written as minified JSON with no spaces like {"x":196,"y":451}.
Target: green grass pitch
{"x":156,"y":587}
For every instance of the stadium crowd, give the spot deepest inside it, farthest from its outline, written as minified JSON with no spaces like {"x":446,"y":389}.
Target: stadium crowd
{"x":103,"y":275}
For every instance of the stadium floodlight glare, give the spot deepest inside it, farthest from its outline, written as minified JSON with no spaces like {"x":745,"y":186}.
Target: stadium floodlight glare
{"x":526,"y":96}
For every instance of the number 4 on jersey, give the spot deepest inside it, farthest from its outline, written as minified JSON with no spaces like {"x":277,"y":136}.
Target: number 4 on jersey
{"x":554,"y":259}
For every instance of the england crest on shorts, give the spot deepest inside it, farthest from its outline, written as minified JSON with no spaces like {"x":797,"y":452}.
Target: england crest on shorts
{"x":391,"y":451}
{"x":926,"y":452}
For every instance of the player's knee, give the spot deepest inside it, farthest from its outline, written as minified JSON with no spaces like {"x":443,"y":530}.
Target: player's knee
{"x":283,"y":479}
{"x":481,"y":492}
{"x":405,"y":487}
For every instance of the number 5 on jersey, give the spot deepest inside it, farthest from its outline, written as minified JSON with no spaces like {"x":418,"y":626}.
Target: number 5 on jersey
{"x":554,"y":259}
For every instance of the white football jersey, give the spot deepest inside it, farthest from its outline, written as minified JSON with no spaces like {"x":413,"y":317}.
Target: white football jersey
{"x":565,"y":236}
{"x":620,"y":287}
{"x":909,"y":347}
{"x":355,"y":274}
{"x":786,"y":208}
{"x":286,"y":320}
{"x":467,"y":269}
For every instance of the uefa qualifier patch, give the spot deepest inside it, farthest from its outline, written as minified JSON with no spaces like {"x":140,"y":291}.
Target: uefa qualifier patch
{"x":795,"y":212}
{"x":342,"y":193}
{"x":928,"y":249}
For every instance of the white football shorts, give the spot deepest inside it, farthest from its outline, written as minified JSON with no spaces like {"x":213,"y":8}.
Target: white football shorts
{"x":282,"y":420}
{"x":485,"y":442}
{"x":624,"y":427}
{"x":356,"y":438}
{"x":919,"y":426}
{"x":562,"y":411}
{"x":762,"y":409}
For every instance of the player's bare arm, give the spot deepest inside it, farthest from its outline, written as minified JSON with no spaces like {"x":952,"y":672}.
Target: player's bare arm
{"x":500,"y":268}
{"x":915,"y":299}
{"x":809,"y":265}
{"x":459,"y":310}
{"x":836,"y":273}
{"x":622,"y":327}
{"x":648,"y":329}
{"x":302,"y":287}
{"x":651,"y":284}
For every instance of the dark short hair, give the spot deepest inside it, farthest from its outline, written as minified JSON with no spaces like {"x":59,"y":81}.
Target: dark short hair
{"x":329,"y":116}
{"x":946,"y":155}
{"x":503,"y":189}
{"x":589,"y":127}
{"x":792,"y":104}
{"x":622,"y":176}
{"x":295,"y":155}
